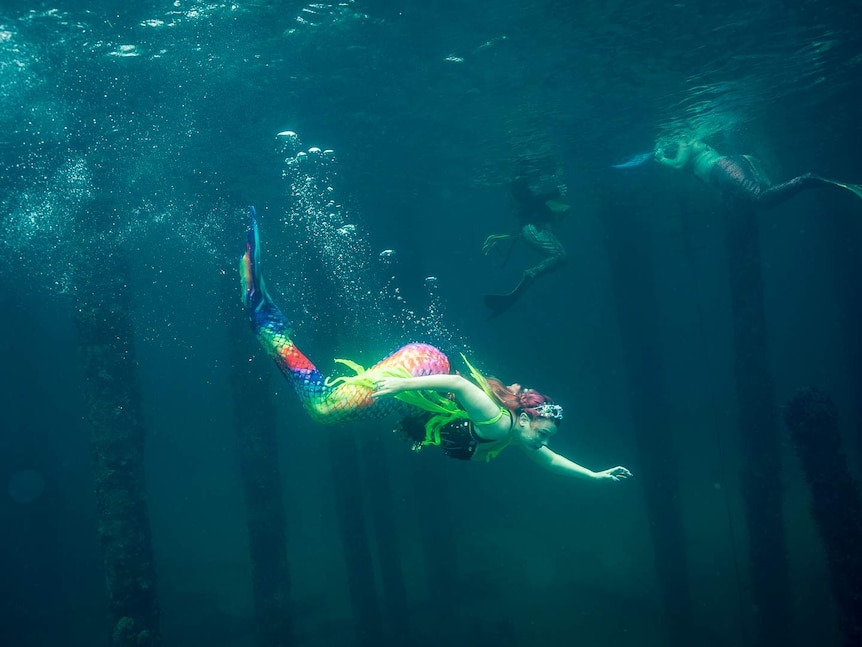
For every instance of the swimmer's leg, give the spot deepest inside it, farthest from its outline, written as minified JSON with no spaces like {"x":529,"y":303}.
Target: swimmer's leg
{"x":543,"y":241}
{"x":740,"y":179}
{"x":775,"y":195}
{"x":548,"y":245}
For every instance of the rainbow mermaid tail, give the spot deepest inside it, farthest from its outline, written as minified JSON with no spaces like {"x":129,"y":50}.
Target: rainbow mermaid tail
{"x":327,"y":401}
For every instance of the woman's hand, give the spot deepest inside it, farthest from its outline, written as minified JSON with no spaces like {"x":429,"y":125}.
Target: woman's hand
{"x":617,"y":473}
{"x":387,"y":386}
{"x":662,"y":150}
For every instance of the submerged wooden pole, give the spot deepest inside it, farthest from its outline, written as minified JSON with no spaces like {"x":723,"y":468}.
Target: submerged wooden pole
{"x":257,"y":430}
{"x":845,"y":232}
{"x":117,"y":438}
{"x":836,"y":503}
{"x":355,"y":542}
{"x":380,"y":501}
{"x":448,"y":599}
{"x":636,"y":302}
{"x":758,"y":428}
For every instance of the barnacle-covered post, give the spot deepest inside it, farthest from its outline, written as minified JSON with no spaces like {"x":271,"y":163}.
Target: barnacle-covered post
{"x":117,"y":431}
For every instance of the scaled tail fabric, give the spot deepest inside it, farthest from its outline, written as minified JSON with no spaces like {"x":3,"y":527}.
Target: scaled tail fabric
{"x":327,"y":401}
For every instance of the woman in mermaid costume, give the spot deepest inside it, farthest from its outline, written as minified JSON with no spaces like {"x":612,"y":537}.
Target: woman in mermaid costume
{"x":468,"y":420}
{"x":740,"y":178}
{"x":537,"y":215}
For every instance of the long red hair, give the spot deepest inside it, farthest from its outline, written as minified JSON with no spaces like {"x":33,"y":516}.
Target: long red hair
{"x":517,"y":399}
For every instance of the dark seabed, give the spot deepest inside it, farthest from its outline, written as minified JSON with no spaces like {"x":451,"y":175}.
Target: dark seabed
{"x":163,"y":486}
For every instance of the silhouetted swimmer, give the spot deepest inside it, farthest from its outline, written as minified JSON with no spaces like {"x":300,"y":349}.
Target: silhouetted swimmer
{"x":536,"y":214}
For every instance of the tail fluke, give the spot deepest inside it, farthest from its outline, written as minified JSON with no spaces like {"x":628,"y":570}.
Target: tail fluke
{"x":251,"y":280}
{"x":635,"y":160}
{"x":266,"y":318}
{"x":856,"y":189}
{"x":272,"y":327}
{"x":499,"y":303}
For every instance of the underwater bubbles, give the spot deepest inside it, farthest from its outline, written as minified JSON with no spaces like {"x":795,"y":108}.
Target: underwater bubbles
{"x":26,"y":486}
{"x":332,"y":246}
{"x":336,"y":278}
{"x":288,"y":142}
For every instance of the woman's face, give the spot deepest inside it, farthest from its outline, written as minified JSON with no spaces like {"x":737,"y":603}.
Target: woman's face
{"x":535,"y":432}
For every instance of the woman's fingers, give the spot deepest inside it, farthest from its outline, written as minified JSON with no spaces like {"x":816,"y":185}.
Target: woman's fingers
{"x":380,"y":387}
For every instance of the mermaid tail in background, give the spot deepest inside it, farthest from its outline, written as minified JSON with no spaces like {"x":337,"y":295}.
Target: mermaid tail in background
{"x":327,"y":401}
{"x":635,"y":160}
{"x":499,"y":303}
{"x":856,"y":189}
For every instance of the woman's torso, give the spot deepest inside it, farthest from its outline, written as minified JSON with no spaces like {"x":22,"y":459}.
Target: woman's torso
{"x":463,"y":440}
{"x":703,"y":158}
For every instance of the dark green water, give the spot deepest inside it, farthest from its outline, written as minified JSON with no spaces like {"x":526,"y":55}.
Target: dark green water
{"x":148,"y":130}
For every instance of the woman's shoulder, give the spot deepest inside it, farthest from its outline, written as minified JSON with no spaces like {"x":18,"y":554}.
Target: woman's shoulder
{"x":498,"y":428}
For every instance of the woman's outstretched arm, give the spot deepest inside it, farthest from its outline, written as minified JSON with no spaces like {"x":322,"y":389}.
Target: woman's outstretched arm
{"x":556,"y":463}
